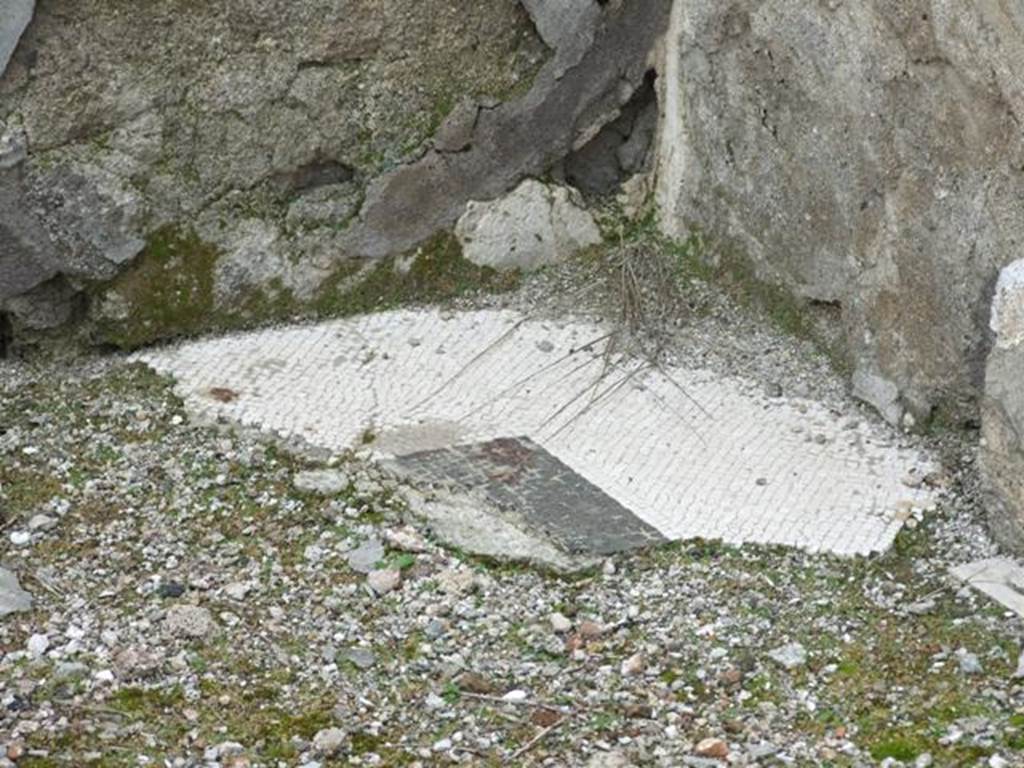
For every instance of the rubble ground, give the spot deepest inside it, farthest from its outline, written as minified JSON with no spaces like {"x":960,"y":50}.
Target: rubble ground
{"x":204,"y":597}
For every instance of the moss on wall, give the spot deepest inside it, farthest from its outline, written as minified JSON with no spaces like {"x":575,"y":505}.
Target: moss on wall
{"x":170,"y":290}
{"x":434,"y":272}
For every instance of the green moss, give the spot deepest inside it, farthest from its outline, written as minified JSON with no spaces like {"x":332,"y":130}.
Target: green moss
{"x":898,"y":748}
{"x":435,"y":272}
{"x":148,"y":701}
{"x":167,"y":292}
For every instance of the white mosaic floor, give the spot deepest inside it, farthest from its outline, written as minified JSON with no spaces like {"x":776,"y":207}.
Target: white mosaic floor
{"x":691,"y":453}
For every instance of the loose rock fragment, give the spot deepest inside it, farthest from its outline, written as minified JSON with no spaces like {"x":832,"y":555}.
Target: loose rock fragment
{"x":321,"y":482}
{"x":365,"y":557}
{"x":712,"y":747}
{"x":790,"y":656}
{"x":41,"y":523}
{"x":189,"y":621}
{"x":560,"y":623}
{"x":363,"y":658}
{"x":237,"y":590}
{"x":969,"y":663}
{"x":384,"y":581}
{"x":37,"y":645}
{"x":533,"y":226}
{"x":634,"y":665}
{"x":12,"y":597}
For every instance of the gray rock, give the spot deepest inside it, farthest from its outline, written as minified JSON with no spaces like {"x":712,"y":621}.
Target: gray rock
{"x":968,"y":662}
{"x":237,"y":590}
{"x":791,"y":656}
{"x":189,"y":621}
{"x":435,"y":629}
{"x":37,"y":645}
{"x":1002,"y":451}
{"x":330,"y":742}
{"x":613,"y":759}
{"x":921,"y":607}
{"x":456,"y":132}
{"x":566,"y":106}
{"x":365,"y":557}
{"x":322,"y":482}
{"x":41,"y":523}
{"x":384,"y":581}
{"x":363,"y":658}
{"x":880,"y":393}
{"x":567,"y":26}
{"x":13,"y":21}
{"x":71,"y":670}
{"x":223,"y":751}
{"x":693,"y":761}
{"x":559,"y":623}
{"x":533,"y":226}
{"x":841,"y":164}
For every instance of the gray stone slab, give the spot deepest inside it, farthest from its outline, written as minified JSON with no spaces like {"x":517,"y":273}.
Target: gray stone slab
{"x":520,"y":477}
{"x":1000,"y":578}
{"x":14,"y":17}
{"x":12,"y":597}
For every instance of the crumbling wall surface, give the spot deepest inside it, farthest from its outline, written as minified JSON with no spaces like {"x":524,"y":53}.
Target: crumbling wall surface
{"x":250,"y":128}
{"x":603,"y":54}
{"x":1002,"y":449}
{"x":253,"y":151}
{"x":864,"y":155}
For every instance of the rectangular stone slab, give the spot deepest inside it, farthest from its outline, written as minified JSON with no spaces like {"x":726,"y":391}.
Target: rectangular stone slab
{"x":519,"y":476}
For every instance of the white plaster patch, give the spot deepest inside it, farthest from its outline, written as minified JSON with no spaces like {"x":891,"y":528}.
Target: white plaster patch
{"x":1008,"y":306}
{"x":691,"y":453}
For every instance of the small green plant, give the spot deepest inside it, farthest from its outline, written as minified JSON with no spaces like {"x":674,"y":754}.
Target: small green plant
{"x":451,"y":693}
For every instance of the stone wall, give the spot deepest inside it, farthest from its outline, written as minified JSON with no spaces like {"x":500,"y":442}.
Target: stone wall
{"x":1002,"y":449}
{"x":868,"y":158}
{"x":172,"y":167}
{"x":252,"y":127}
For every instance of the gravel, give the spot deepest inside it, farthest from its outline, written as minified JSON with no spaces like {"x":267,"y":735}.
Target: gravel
{"x":199,"y":604}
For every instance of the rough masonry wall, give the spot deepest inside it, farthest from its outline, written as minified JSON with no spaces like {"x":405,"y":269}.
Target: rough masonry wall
{"x":167,"y":167}
{"x":254,"y":125}
{"x":868,"y":157}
